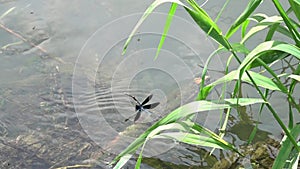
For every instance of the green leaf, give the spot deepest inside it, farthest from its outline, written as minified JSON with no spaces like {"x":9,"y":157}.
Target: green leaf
{"x":265,"y":23}
{"x":205,"y":68}
{"x":207,"y":24}
{"x":258,"y":17}
{"x":286,"y":149}
{"x":292,"y":28}
{"x":296,"y":77}
{"x":198,"y":14}
{"x":236,"y":47}
{"x":283,"y":30}
{"x":191,"y":108}
{"x":220,"y":12}
{"x":179,"y":113}
{"x":293,"y":160}
{"x":194,"y":131}
{"x":149,"y":10}
{"x":279,"y":28}
{"x":244,"y":28}
{"x":269,"y":57}
{"x":174,"y":126}
{"x":259,"y":79}
{"x":123,"y":160}
{"x":252,"y":5}
{"x":139,"y":161}
{"x":194,"y":139}
{"x":243,"y":101}
{"x":166,"y":29}
{"x":269,"y":46}
{"x":175,"y":115}
{"x":295,"y":4}
{"x":216,"y":137}
{"x":240,"y":48}
{"x":288,"y":48}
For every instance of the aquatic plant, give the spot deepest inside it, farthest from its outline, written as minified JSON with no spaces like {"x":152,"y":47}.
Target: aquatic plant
{"x":264,"y":55}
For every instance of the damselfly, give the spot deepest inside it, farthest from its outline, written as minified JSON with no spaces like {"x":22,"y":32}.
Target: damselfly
{"x":140,"y":107}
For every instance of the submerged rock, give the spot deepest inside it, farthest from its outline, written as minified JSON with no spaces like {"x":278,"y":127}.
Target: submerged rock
{"x":260,"y":155}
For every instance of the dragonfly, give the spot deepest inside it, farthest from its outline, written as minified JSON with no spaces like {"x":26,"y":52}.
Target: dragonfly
{"x":140,"y":107}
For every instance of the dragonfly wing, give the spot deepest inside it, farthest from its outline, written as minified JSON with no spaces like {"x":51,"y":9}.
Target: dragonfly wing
{"x":133,"y":98}
{"x":137,"y":107}
{"x":138,"y":115}
{"x":151,"y":106}
{"x":147,"y":99}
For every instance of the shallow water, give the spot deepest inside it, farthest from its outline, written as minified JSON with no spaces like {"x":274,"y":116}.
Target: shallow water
{"x":62,"y":95}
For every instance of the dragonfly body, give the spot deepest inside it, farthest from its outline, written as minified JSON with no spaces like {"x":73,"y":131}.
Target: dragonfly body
{"x":140,"y":107}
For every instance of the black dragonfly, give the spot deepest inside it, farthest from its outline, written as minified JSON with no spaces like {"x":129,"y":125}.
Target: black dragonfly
{"x":139,"y":107}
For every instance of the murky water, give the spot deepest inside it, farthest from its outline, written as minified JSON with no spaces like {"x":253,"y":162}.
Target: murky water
{"x":63,"y":82}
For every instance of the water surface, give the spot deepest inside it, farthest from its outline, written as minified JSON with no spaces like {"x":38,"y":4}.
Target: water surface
{"x":62,"y":90}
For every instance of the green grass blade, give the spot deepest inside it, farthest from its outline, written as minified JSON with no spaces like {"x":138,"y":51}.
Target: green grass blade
{"x":280,"y":84}
{"x":220,"y":13}
{"x":243,"y":101}
{"x":265,"y":23}
{"x":296,"y":24}
{"x":275,"y":115}
{"x":174,"y":126}
{"x":196,"y":7}
{"x":286,"y":149}
{"x":225,"y":122}
{"x":253,"y":133}
{"x":297,"y":2}
{"x":296,"y":77}
{"x":293,"y":160}
{"x":259,"y":79}
{"x":258,"y":17}
{"x":207,"y":24}
{"x":269,"y":46}
{"x":195,"y":139}
{"x":269,"y":57}
{"x":217,"y":138}
{"x":201,"y":94}
{"x":184,"y":126}
{"x":123,"y":160}
{"x":191,"y":108}
{"x":139,"y":161}
{"x":244,"y":27}
{"x":194,"y":130}
{"x":148,"y":11}
{"x":271,"y":32}
{"x":294,"y":31}
{"x":252,"y":5}
{"x":175,"y":115}
{"x":288,"y":48}
{"x":167,"y":27}
{"x":236,"y":47}
{"x":274,"y":26}
{"x":296,"y":8}
{"x":294,"y":82}
{"x":284,"y":31}
{"x":179,"y":113}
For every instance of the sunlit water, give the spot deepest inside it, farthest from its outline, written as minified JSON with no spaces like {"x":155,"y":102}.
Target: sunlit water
{"x":63,"y":103}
